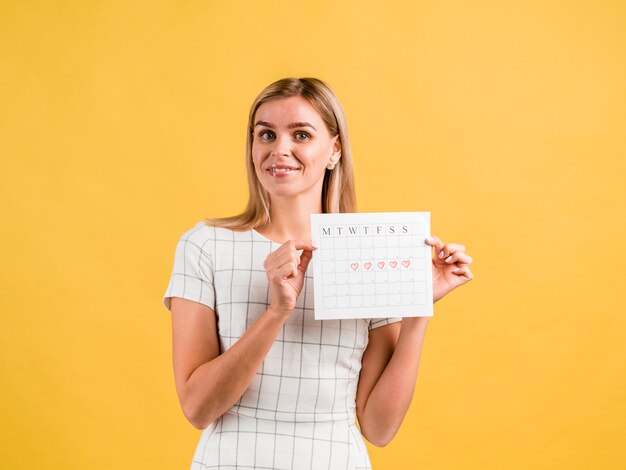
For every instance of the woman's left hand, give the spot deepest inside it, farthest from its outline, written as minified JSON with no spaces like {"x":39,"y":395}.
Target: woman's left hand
{"x":450,"y":266}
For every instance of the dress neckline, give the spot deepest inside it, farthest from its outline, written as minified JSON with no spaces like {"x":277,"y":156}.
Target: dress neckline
{"x":263,"y":237}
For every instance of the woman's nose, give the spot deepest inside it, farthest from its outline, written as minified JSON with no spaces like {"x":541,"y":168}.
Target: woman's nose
{"x":282,"y":145}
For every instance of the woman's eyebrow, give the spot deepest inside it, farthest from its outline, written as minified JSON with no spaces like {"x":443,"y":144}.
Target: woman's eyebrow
{"x":290,"y":126}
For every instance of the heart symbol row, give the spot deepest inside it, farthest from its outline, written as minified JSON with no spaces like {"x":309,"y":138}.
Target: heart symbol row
{"x":380,"y":264}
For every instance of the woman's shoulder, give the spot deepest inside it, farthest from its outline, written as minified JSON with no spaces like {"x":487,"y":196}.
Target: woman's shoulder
{"x":203,"y":232}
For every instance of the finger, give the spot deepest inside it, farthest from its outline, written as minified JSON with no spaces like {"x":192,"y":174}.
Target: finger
{"x":432,"y":240}
{"x":289,"y":249}
{"x":459,"y":257}
{"x":463,"y":271}
{"x":285,"y":257}
{"x":446,"y":251}
{"x":437,"y":245}
{"x":288,"y":270}
{"x":453,"y":247}
{"x":302,"y":244}
{"x":305,"y":258}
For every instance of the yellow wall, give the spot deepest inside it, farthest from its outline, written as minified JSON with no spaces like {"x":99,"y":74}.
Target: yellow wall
{"x":122,"y":124}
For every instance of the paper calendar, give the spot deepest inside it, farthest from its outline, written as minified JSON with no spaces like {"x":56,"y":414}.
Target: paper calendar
{"x":372,"y":265}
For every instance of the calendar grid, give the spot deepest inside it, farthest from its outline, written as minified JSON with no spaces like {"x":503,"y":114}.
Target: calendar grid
{"x":371,"y":263}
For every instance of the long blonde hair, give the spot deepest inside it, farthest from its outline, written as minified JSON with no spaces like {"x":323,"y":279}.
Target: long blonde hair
{"x":338,"y":193}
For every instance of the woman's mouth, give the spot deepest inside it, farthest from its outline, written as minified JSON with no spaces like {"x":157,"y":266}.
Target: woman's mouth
{"x":281,"y":170}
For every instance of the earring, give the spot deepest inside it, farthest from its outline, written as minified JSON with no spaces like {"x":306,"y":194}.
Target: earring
{"x":332,"y":165}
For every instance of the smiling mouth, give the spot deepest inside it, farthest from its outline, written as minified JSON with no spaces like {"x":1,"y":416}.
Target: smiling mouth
{"x":281,"y":170}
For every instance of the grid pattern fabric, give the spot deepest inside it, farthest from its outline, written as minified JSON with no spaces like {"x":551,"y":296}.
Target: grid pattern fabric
{"x":299,"y":411}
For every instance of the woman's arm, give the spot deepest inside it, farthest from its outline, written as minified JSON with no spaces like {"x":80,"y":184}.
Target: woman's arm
{"x":391,"y":360}
{"x":208,"y":383}
{"x":388,"y":376}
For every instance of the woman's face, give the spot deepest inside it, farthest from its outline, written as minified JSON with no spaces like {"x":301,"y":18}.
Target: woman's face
{"x":291,"y":147}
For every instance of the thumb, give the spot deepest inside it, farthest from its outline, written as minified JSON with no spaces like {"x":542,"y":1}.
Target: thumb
{"x":305,"y":259}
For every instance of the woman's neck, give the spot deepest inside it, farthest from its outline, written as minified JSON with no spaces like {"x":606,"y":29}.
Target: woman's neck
{"x":291,"y":219}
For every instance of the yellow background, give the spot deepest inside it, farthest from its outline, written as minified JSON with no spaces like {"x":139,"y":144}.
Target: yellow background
{"x":122,"y":124}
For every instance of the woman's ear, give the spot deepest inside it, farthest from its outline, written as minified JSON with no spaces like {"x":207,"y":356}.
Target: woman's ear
{"x":336,"y":155}
{"x":336,"y":149}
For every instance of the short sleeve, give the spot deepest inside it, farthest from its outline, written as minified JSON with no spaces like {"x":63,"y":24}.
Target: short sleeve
{"x":192,"y":274}
{"x":378,"y":322}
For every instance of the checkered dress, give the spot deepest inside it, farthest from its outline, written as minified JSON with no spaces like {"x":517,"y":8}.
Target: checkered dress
{"x":299,"y":412}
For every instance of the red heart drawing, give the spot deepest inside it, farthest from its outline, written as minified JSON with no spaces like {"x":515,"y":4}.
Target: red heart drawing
{"x":381,"y":264}
{"x":354,"y":266}
{"x":406,"y":263}
{"x":393,"y":264}
{"x":368,"y":266}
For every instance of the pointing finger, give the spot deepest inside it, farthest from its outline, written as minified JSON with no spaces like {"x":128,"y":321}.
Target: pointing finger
{"x":304,"y":244}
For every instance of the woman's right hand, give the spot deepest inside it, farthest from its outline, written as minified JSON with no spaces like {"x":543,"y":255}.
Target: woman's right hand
{"x":285,"y":270}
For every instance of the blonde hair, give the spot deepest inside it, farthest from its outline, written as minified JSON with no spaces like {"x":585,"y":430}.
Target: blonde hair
{"x":338,"y":193}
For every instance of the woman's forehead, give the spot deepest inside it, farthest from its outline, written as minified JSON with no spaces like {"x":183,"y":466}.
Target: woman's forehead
{"x":284,"y":111}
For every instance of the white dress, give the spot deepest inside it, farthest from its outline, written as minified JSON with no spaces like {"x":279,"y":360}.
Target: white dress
{"x":299,"y":412}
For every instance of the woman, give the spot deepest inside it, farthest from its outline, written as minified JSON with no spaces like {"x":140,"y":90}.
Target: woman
{"x":270,"y":386}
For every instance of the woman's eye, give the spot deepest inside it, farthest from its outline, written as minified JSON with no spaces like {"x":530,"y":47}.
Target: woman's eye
{"x":269,"y":135}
